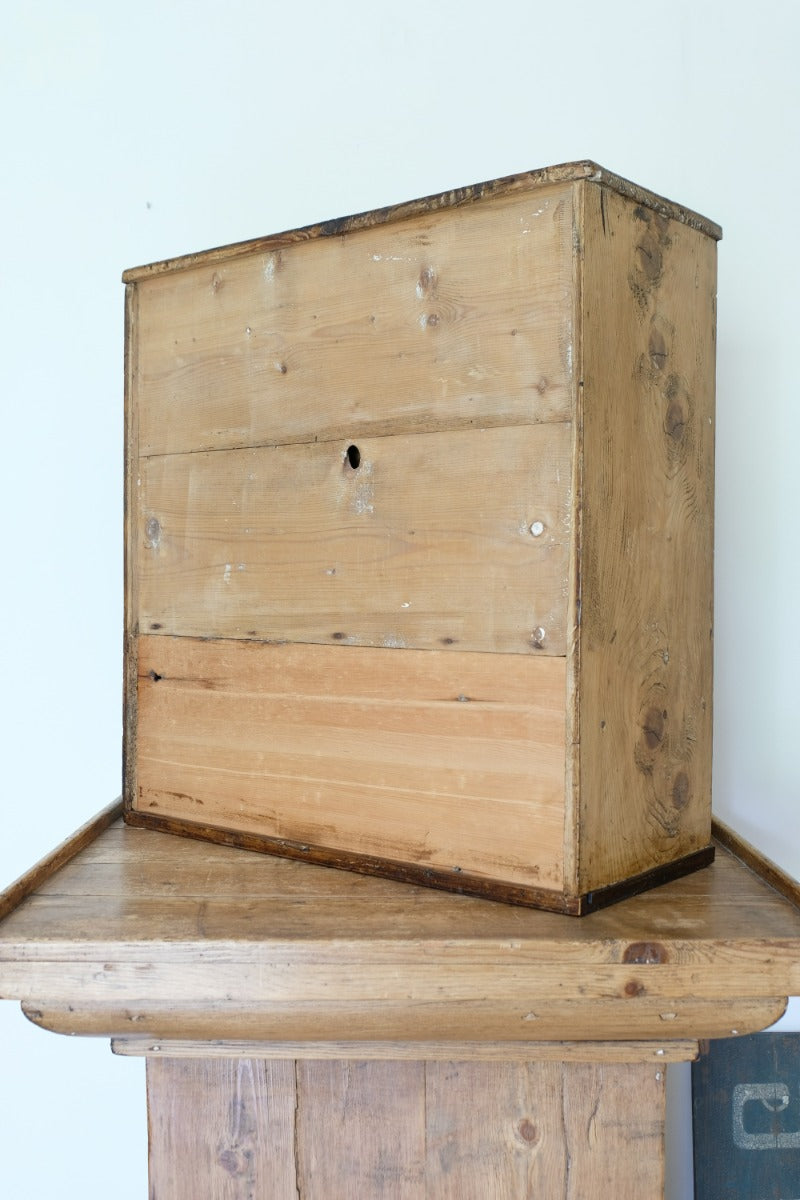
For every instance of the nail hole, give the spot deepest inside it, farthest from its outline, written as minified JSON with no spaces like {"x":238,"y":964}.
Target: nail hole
{"x":354,"y":457}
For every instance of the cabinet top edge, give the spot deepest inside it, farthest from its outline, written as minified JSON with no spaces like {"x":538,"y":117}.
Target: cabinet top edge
{"x":583,"y":171}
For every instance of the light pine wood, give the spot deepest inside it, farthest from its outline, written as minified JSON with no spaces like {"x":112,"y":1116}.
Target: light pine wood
{"x":425,"y":544}
{"x":362,"y":1127}
{"x":28,"y":883}
{"x":451,"y":319}
{"x":166,"y":937}
{"x":645,"y":544}
{"x":586,"y":1052}
{"x":753,"y":858}
{"x":545,"y":1129}
{"x":506,"y":186}
{"x":409,"y":1027}
{"x":221,"y":1130}
{"x":430,"y":757}
{"x":224,"y":1129}
{"x":481,"y":423}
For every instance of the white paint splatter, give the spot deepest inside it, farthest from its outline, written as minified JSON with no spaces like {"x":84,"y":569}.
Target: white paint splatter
{"x":226,"y":574}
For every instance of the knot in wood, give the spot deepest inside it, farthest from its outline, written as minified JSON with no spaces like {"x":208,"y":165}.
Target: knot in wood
{"x":645,"y":952}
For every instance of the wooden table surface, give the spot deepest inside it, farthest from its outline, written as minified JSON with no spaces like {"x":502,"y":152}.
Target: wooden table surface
{"x":152,"y":938}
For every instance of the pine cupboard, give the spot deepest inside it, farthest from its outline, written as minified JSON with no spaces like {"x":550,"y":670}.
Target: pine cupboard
{"x":419,"y":538}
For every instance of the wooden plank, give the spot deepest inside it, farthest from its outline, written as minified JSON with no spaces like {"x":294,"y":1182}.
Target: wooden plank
{"x":221,"y":1128}
{"x":444,"y":320}
{"x":403,"y":1022}
{"x":752,"y":858}
{"x":52,"y":863}
{"x":545,"y":1129}
{"x":238,"y":1128}
{"x":648,"y":304}
{"x":325,"y":981}
{"x":525,"y":181}
{"x":422,"y":757}
{"x":361,"y":1129}
{"x":603,"y":1052}
{"x":426,"y":542}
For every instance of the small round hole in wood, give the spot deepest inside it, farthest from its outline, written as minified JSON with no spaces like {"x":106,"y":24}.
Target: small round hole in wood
{"x":354,"y":457}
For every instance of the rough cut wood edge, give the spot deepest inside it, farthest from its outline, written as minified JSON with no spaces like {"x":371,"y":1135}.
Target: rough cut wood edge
{"x":33,"y":879}
{"x":684,"y":1050}
{"x":463,"y":884}
{"x":758,"y":863}
{"x":572,"y":765}
{"x":507,"y":185}
{"x":131,"y":575}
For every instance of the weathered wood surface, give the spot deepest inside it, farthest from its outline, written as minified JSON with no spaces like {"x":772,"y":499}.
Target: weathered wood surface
{"x":32,"y":880}
{"x":424,"y":542}
{"x":508,"y":185}
{"x":644,"y":659}
{"x":753,"y":858}
{"x":453,"y":319}
{"x":230,"y":1129}
{"x":396,"y":1029}
{"x":419,"y":757}
{"x":659,"y":1053}
{"x":156,"y":936}
{"x":477,"y":424}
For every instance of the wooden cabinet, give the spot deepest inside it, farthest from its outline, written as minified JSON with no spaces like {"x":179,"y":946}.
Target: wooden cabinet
{"x":419,"y":545}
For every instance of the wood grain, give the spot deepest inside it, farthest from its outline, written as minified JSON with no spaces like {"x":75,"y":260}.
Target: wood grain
{"x":149,"y":935}
{"x":33,"y":879}
{"x":415,"y":756}
{"x":586,"y":1052}
{"x":506,"y":186}
{"x":450,"y":319}
{"x":571,"y":1131}
{"x":233,"y":1129}
{"x":425,"y":544}
{"x":408,"y":1025}
{"x":646,"y":539}
{"x":753,"y":858}
{"x":477,"y":424}
{"x":221,"y":1130}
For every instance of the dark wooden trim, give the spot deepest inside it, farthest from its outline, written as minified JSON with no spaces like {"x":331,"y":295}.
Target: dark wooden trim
{"x":758,"y":863}
{"x":509,"y":184}
{"x":602,"y":897}
{"x":403,"y":872}
{"x":33,"y":879}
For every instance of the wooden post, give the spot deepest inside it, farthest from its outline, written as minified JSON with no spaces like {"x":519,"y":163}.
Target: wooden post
{"x":238,"y":1128}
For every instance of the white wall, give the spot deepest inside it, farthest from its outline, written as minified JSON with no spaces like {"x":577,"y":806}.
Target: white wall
{"x":135,"y":132}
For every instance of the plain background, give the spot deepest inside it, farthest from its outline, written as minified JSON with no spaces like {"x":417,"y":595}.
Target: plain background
{"x":136,"y":132}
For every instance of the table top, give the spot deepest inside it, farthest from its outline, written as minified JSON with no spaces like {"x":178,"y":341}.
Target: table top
{"x":151,"y":936}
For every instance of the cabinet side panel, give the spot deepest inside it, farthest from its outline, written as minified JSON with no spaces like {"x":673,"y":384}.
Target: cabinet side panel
{"x":425,"y":757}
{"x":649,"y":297}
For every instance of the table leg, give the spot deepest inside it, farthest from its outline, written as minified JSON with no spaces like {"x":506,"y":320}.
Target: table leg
{"x":266,"y":1129}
